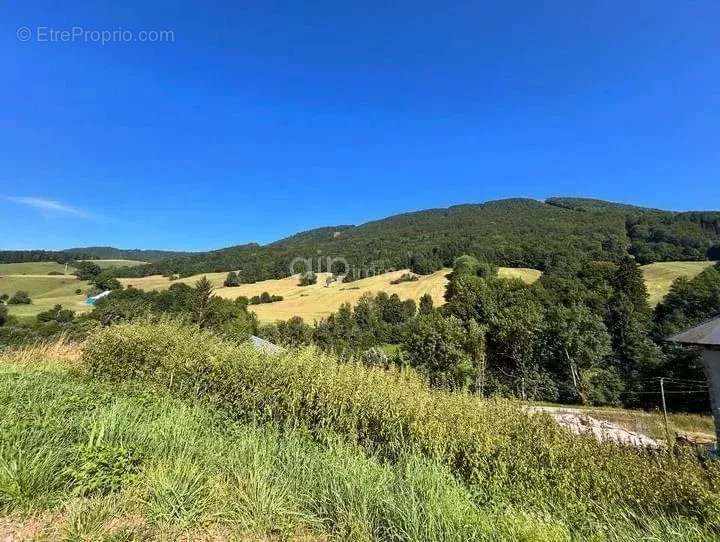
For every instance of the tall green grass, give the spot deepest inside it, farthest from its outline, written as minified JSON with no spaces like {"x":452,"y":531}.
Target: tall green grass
{"x":503,"y":456}
{"x":195,"y":473}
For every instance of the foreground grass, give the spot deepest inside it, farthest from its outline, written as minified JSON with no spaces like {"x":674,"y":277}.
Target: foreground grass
{"x":80,"y":460}
{"x":503,"y":457}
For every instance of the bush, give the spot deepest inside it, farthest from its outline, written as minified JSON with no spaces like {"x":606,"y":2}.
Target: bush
{"x":86,"y":270}
{"x":101,"y":469}
{"x":106,"y":281}
{"x":232,"y":280}
{"x":262,"y":298}
{"x":502,"y":453}
{"x":405,"y":277}
{"x":56,"y":314}
{"x":308,"y":278}
{"x":20,"y":298}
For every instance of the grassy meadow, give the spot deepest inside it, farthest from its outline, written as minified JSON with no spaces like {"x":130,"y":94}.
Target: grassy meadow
{"x":48,"y":290}
{"x":318,"y":301}
{"x":33,"y":268}
{"x":144,"y":436}
{"x":659,"y":276}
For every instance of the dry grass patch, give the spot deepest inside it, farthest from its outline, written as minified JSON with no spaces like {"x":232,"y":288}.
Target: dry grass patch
{"x":318,"y":300}
{"x":60,"y":350}
{"x":660,"y":276}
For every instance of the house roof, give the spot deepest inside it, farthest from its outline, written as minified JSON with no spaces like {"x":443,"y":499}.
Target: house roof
{"x":706,"y":334}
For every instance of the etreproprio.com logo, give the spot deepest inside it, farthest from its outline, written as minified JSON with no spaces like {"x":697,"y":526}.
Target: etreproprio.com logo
{"x":79,"y":34}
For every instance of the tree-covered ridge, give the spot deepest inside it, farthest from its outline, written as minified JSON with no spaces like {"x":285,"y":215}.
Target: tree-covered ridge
{"x":511,"y":232}
{"x":655,"y":235}
{"x":86,"y":253}
{"x":514,"y":233}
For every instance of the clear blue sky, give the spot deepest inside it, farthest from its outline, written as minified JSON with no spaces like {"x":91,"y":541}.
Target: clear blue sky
{"x":265,"y":118}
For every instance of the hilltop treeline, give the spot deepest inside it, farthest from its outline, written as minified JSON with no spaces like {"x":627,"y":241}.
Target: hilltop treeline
{"x":513,"y":233}
{"x":86,"y":253}
{"x":657,"y":236}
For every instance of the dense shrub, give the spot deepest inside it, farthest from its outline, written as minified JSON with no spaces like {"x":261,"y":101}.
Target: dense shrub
{"x":56,"y":314}
{"x":405,"y":277}
{"x":265,"y":297}
{"x":502,"y":453}
{"x":232,"y":280}
{"x":308,"y":278}
{"x":20,"y":298}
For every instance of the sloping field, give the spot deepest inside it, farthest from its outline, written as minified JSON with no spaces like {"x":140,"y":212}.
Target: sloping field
{"x":309,"y":302}
{"x":32,"y":268}
{"x":659,"y":276}
{"x":318,"y":300}
{"x":112,"y":264}
{"x":46,"y":291}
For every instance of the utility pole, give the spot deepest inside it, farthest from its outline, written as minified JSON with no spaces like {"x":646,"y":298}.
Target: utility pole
{"x":662,"y":394}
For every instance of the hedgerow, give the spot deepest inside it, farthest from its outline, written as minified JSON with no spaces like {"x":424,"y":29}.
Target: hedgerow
{"x":501,"y":453}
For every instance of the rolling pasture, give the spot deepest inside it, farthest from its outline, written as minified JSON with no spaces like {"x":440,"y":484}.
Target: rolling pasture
{"x":32,"y":268}
{"x":47,"y":290}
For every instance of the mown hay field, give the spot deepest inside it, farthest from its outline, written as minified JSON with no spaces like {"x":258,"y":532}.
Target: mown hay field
{"x":112,"y":264}
{"x":659,"y":276}
{"x":318,"y":300}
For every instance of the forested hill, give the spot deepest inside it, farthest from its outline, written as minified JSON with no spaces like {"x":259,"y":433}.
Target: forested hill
{"x":87,"y":253}
{"x":655,"y":235}
{"x":511,"y":232}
